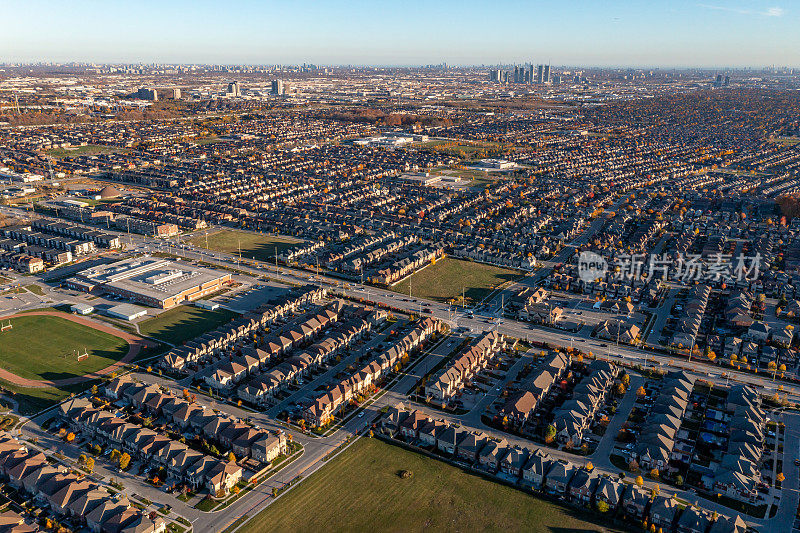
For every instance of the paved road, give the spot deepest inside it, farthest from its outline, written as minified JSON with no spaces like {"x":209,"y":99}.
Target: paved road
{"x":315,"y":449}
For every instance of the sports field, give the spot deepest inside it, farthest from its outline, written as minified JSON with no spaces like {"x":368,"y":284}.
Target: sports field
{"x":361,"y":490}
{"x":89,"y":149}
{"x":44,"y":347}
{"x":445,"y":280}
{"x":183,"y":323}
{"x":253,"y":245}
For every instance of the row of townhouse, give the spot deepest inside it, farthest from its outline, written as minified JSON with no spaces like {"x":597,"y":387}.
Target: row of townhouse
{"x":245,"y":441}
{"x":617,"y":330}
{"x":261,"y":388}
{"x":226,"y":374}
{"x":196,"y":469}
{"x":144,"y":208}
{"x":739,"y":473}
{"x":68,"y":495}
{"x":27,"y":235}
{"x":655,"y":445}
{"x":51,"y":256}
{"x":576,"y":414}
{"x":21,"y":262}
{"x":570,"y":282}
{"x":407,"y":265}
{"x":142,"y":225}
{"x":521,"y":405}
{"x":691,"y":317}
{"x":358,"y":263}
{"x":211,"y":344}
{"x":495,"y":257}
{"x":102,"y":239}
{"x":296,"y":253}
{"x":535,"y":469}
{"x":333,"y":259}
{"x":450,"y":379}
{"x":324,"y":407}
{"x":527,"y":296}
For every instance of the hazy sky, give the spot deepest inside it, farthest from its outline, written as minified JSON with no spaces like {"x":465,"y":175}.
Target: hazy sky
{"x":405,"y":32}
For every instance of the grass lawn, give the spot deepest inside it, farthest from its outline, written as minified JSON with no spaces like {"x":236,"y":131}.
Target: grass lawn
{"x":183,"y":323}
{"x":253,"y":245}
{"x":206,"y":140}
{"x":89,"y":149}
{"x":206,"y":504}
{"x":35,"y":289}
{"x":42,"y":347}
{"x":787,"y":141}
{"x":445,"y":279}
{"x":32,"y":400}
{"x":361,"y":491}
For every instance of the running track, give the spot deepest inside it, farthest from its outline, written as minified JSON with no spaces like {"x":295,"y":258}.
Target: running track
{"x":135,"y":344}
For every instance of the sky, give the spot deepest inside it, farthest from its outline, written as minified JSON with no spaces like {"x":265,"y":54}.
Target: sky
{"x":677,"y":33}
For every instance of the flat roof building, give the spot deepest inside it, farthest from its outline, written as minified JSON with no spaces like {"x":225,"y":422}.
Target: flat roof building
{"x":81,"y":309}
{"x":126,"y":311}
{"x":151,"y":281}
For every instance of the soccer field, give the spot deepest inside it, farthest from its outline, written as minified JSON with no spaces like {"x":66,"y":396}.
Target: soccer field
{"x":253,"y":245}
{"x":446,"y":279}
{"x":361,"y":490}
{"x":44,"y":348}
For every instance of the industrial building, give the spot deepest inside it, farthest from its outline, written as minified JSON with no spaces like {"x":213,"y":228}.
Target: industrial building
{"x":151,"y":281}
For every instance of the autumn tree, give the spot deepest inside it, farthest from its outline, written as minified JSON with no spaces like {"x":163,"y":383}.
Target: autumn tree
{"x":124,"y":461}
{"x":550,"y":433}
{"x":639,"y":481}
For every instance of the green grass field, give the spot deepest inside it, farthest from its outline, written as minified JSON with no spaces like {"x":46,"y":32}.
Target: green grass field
{"x":445,"y":279}
{"x":360,"y":490}
{"x":33,"y":400}
{"x":90,"y":149}
{"x":787,"y":141}
{"x":42,"y":347}
{"x":35,"y":289}
{"x":184,"y":322}
{"x":253,"y":245}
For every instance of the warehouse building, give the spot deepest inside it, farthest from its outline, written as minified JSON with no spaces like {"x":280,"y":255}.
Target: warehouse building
{"x":151,"y":281}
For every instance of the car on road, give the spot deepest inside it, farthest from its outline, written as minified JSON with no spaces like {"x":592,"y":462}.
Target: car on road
{"x":361,"y":414}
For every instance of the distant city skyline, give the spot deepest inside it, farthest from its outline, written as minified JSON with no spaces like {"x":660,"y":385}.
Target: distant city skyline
{"x":712,"y":34}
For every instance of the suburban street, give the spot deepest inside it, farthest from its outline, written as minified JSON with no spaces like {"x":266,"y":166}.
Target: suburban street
{"x":317,"y":449}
